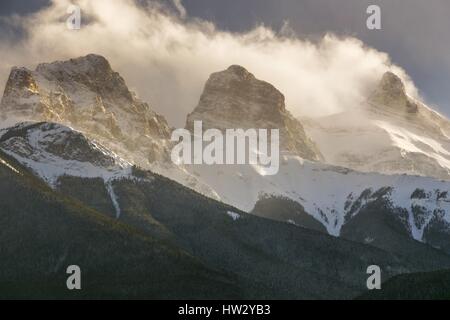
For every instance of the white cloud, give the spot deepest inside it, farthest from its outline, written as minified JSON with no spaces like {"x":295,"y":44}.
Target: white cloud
{"x":167,"y":60}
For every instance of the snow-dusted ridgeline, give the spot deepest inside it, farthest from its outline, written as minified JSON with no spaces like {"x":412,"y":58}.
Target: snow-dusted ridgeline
{"x":330,"y":194}
{"x":52,"y":150}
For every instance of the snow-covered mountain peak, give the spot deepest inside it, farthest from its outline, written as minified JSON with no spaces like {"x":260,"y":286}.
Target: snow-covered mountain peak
{"x":390,"y":133}
{"x":52,"y":150}
{"x":88,"y":95}
{"x":235,"y":98}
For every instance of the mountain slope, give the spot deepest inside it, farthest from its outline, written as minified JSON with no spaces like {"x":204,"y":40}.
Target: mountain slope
{"x":390,"y":133}
{"x":415,"y":286}
{"x":44,"y":232}
{"x":333,"y":195}
{"x":285,"y":261}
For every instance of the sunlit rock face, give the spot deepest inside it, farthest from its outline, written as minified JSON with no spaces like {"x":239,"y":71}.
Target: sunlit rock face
{"x":88,"y":94}
{"x":234,"y":98}
{"x":391,"y":93}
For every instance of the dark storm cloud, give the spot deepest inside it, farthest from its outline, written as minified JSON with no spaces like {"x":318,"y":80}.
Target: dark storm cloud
{"x":8,"y":7}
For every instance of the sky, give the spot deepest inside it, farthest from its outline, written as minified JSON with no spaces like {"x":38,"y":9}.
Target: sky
{"x":319,"y":53}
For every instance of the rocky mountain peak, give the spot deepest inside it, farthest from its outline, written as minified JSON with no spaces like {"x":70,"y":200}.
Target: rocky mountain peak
{"x":237,"y":92}
{"x":390,"y":82}
{"x":91,"y":63}
{"x":92,"y":71}
{"x":240,"y":72}
{"x":235,"y":98}
{"x":391,"y":93}
{"x":88,"y":95}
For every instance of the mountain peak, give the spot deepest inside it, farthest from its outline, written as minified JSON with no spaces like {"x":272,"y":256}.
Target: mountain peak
{"x":235,"y":98}
{"x":92,"y":71}
{"x":390,"y":81}
{"x":87,"y":94}
{"x":240,"y":71}
{"x":80,"y":64}
{"x":238,"y":96}
{"x":391,"y":92}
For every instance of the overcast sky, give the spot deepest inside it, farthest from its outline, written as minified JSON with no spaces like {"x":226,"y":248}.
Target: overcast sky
{"x":415,"y":33}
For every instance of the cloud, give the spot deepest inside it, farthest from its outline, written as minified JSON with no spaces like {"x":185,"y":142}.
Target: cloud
{"x":286,"y":30}
{"x":167,"y":60}
{"x":181,"y":9}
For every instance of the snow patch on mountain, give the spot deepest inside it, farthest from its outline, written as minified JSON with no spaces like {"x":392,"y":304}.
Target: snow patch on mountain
{"x":235,"y":216}
{"x":113,"y":196}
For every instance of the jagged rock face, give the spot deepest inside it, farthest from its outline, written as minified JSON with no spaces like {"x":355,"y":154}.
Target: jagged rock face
{"x":234,"y":98}
{"x":88,"y":95}
{"x":392,"y":94}
{"x":20,"y":83}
